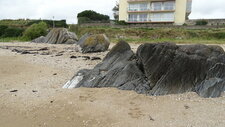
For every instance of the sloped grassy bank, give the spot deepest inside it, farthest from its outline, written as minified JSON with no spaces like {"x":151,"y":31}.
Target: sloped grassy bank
{"x":140,"y":35}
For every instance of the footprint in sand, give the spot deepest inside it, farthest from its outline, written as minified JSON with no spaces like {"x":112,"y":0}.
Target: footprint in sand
{"x":135,"y":111}
{"x":87,"y":97}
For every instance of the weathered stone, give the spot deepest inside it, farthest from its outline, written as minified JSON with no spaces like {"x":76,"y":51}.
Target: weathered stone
{"x":158,"y":69}
{"x":93,"y":43}
{"x":40,"y":39}
{"x":58,"y":36}
{"x":118,"y":69}
{"x":173,"y":69}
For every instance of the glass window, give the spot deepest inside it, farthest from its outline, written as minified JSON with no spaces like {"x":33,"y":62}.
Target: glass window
{"x":157,"y":6}
{"x":189,"y":5}
{"x":133,"y":17}
{"x":143,"y":6}
{"x":169,"y":5}
{"x":143,"y":17}
{"x":166,"y":17}
{"x":133,"y":7}
{"x":155,"y":17}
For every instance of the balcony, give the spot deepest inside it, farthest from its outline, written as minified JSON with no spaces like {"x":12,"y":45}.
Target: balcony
{"x":130,"y":1}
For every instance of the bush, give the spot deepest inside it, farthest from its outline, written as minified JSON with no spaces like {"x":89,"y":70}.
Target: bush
{"x":13,"y":32}
{"x":218,"y":35}
{"x":58,"y":23}
{"x":201,"y":22}
{"x":36,"y":30}
{"x":82,"y":20}
{"x":92,"y":16}
{"x":120,"y":22}
{"x":2,"y":29}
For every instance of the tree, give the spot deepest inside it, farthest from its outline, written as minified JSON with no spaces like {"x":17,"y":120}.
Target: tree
{"x":116,"y":11}
{"x":89,"y":16}
{"x":36,"y":30}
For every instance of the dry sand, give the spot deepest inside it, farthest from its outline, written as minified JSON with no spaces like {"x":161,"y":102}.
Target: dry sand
{"x":41,"y":102}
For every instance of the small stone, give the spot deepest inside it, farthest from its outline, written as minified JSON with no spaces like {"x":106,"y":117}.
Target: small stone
{"x":12,"y":91}
{"x":95,"y":58}
{"x":34,"y":91}
{"x":73,"y":57}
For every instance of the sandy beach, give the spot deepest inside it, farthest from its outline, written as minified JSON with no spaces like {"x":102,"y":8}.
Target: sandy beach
{"x":31,"y":95}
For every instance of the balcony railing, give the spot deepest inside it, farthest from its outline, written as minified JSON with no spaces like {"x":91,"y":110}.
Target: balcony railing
{"x":136,"y":0}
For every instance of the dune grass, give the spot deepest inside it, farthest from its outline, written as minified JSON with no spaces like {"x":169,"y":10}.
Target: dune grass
{"x":13,"y":39}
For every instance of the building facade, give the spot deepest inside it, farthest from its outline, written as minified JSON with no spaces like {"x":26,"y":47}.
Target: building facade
{"x":155,"y":11}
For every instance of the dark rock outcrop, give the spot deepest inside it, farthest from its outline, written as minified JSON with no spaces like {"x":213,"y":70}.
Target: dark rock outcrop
{"x":118,"y":69}
{"x":173,"y":69}
{"x":158,"y":69}
{"x":58,"y":36}
{"x":93,"y":43}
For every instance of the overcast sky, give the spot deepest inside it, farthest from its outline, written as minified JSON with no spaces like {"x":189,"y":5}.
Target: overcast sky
{"x":68,"y":9}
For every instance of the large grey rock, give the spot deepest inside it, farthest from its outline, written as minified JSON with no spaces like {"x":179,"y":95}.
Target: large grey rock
{"x":40,"y":39}
{"x":214,"y":84}
{"x":58,"y":36}
{"x":158,"y":69}
{"x":118,"y":69}
{"x":93,"y":43}
{"x":173,"y":69}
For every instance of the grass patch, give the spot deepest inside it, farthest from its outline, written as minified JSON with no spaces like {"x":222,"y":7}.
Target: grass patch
{"x":13,"y":39}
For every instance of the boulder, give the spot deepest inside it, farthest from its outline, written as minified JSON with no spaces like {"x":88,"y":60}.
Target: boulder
{"x":174,"y":69}
{"x":58,"y":36}
{"x":158,"y":69}
{"x":40,"y":39}
{"x":93,"y":43}
{"x":118,"y":69}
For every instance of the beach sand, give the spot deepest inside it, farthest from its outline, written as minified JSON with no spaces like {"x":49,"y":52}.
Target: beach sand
{"x":38,"y":99}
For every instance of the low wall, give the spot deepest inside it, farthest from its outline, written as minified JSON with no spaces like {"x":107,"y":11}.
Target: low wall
{"x":211,"y":22}
{"x":191,"y":25}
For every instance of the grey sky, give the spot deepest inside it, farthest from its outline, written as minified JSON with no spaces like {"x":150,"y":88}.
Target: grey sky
{"x":68,"y":9}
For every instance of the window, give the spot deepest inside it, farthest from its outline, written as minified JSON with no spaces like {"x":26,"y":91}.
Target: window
{"x":143,"y":17}
{"x":133,"y":7}
{"x":166,"y":17}
{"x":157,"y":6}
{"x":189,"y":5}
{"x":169,"y":5}
{"x":143,"y":6}
{"x":133,"y":17}
{"x":138,"y":7}
{"x":155,"y":17}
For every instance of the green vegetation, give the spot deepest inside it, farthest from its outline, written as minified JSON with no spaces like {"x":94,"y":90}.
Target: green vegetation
{"x":35,"y":31}
{"x":141,"y":35}
{"x":12,"y":39}
{"x":6,"y":31}
{"x":88,"y":16}
{"x":24,"y":23}
{"x":201,"y":22}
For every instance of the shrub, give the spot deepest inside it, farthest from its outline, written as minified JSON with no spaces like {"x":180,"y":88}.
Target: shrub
{"x":36,"y":30}
{"x":120,"y":22}
{"x":58,"y":23}
{"x":92,"y":16}
{"x":219,"y":35}
{"x":13,"y":32}
{"x":82,"y":20}
{"x":2,"y":29}
{"x":201,"y":22}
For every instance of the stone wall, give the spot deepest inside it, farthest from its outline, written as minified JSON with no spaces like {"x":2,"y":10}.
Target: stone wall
{"x":190,"y":25}
{"x":211,"y":22}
